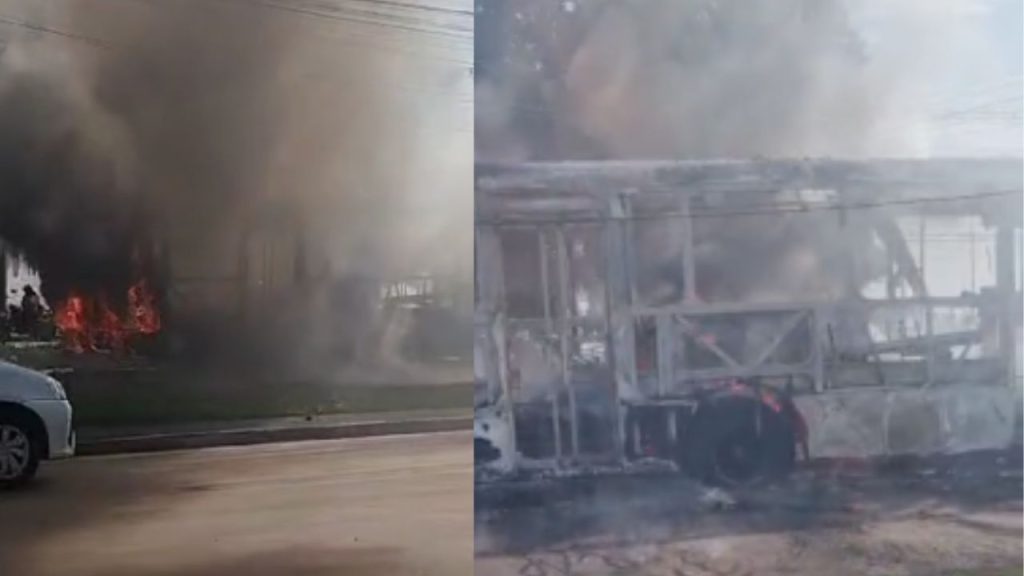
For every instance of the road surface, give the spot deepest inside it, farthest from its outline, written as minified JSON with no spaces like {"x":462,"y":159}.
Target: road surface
{"x":956,"y":518}
{"x":386,"y":505}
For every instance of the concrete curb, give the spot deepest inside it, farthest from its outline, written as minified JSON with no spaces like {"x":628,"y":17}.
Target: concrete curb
{"x":241,"y":437}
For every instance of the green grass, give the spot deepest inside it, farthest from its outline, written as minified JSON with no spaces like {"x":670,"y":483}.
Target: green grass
{"x":160,"y":396}
{"x":131,"y":391}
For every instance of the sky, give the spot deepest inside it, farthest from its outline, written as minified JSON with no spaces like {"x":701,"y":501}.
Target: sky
{"x":959,"y":67}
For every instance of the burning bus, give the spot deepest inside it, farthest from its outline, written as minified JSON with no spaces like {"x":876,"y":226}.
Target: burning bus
{"x":728,"y":318}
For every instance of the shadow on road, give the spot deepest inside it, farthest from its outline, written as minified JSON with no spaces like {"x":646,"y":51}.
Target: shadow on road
{"x":389,"y":505}
{"x":71,"y":496}
{"x":294,"y":561}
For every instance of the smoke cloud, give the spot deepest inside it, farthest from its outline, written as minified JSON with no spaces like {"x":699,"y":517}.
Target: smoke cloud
{"x":700,"y":79}
{"x":66,"y":202}
{"x":170,"y":121}
{"x":728,"y":78}
{"x":133,"y":123}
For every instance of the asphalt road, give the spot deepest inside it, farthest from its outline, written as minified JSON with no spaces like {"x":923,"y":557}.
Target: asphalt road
{"x":386,"y":505}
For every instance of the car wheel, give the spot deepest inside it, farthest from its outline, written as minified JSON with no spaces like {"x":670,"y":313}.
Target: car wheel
{"x":737,"y":442}
{"x":19,"y":453}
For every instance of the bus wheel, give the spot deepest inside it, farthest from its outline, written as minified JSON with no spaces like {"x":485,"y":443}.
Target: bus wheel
{"x":737,"y":442}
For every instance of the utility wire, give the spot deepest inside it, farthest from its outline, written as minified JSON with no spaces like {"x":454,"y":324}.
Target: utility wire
{"x":337,"y":12}
{"x":991,"y":108}
{"x":391,"y":4}
{"x":266,"y":4}
{"x":102,"y":44}
{"x":696,"y":214}
{"x":269,"y":4}
{"x":107,"y":45}
{"x":424,"y":7}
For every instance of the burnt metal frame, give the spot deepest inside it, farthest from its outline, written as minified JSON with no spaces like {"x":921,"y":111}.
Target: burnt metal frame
{"x":559,"y":322}
{"x":534,"y":196}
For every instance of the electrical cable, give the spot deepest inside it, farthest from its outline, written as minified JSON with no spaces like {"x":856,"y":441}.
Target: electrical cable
{"x":698,"y":214}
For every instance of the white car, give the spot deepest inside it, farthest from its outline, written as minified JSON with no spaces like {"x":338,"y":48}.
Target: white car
{"x":35,"y":423}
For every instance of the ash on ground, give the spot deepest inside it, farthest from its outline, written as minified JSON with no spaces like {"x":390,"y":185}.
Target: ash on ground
{"x":928,"y":516}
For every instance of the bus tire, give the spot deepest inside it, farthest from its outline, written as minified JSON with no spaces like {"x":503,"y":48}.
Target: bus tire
{"x":725,"y":447}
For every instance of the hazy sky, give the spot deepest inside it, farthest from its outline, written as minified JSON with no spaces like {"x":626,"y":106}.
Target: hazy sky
{"x":960,"y":68}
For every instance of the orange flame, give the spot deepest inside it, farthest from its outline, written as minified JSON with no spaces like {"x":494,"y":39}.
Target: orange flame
{"x":142,"y":306}
{"x":69,"y":316}
{"x":90,"y":324}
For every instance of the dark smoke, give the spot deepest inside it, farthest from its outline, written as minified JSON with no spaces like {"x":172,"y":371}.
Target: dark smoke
{"x":692,"y":79}
{"x":167,"y":127}
{"x":194,"y":85}
{"x":196,"y":131}
{"x":63,"y":204}
{"x":671,"y":79}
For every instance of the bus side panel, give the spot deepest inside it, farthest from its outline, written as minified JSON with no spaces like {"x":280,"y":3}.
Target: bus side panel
{"x":871,"y":422}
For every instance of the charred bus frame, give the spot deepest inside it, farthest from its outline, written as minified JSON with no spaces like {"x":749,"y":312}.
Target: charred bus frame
{"x":547,"y":408}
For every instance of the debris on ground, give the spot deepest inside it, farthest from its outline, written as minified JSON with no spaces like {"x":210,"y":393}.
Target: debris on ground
{"x":717,"y":499}
{"x":948,"y":517}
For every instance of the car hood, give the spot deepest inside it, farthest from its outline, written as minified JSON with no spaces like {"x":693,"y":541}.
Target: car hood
{"x":18,"y":383}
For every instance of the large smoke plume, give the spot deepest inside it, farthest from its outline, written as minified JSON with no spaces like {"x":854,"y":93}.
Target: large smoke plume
{"x":127,"y":126}
{"x":699,"y":79}
{"x":728,"y":78}
{"x":65,"y":202}
{"x":168,"y":120}
{"x":681,"y":79}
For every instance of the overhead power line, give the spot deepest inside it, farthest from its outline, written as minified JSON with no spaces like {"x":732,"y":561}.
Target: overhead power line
{"x":358,"y":16}
{"x":103,"y":44}
{"x":414,"y":93}
{"x":696,"y":214}
{"x":338,"y":13}
{"x":424,"y":7}
{"x":96,"y":42}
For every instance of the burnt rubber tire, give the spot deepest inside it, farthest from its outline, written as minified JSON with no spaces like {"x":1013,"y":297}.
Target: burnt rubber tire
{"x":13,"y":428}
{"x":723,"y":447}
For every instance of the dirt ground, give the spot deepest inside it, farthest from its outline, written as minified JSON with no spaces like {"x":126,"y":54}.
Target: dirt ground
{"x":961,"y":517}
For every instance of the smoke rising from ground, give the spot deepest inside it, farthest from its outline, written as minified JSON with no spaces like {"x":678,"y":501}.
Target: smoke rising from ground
{"x":66,"y":202}
{"x":110,"y":145}
{"x":185,"y":122}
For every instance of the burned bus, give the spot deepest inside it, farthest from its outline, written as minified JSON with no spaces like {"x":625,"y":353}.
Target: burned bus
{"x":730,"y":318}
